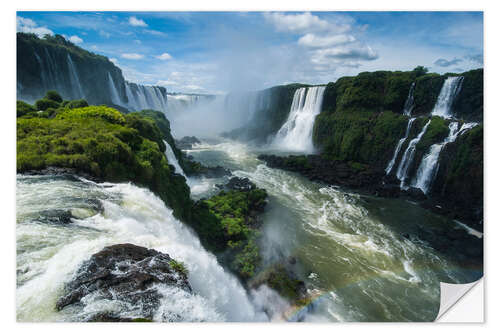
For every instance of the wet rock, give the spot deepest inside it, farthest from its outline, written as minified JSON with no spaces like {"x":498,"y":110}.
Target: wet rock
{"x":57,"y":216}
{"x":127,"y":273}
{"x":187,"y":142}
{"x":240,"y":184}
{"x":216,"y":172}
{"x":416,"y":194}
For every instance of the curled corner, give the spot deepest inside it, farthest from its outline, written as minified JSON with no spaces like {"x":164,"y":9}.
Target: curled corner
{"x":451,"y":294}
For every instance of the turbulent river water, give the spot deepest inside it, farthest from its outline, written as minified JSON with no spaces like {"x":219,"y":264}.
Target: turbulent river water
{"x":349,"y":247}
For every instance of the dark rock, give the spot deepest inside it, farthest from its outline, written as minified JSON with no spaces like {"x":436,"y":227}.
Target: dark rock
{"x":416,"y":194}
{"x":216,"y":172}
{"x":125,"y":272}
{"x":240,"y":184}
{"x":187,"y":142}
{"x":57,"y":216}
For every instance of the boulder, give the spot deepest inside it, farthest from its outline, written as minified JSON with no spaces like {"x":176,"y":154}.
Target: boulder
{"x":127,"y":273}
{"x":187,"y":142}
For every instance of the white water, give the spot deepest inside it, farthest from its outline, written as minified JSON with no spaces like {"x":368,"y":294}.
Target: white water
{"x":429,"y":166}
{"x":49,"y":254}
{"x":296,"y":132}
{"x":451,"y":88}
{"x":398,"y":146}
{"x":408,"y":155}
{"x":75,"y":80}
{"x":173,"y":160}
{"x":409,"y":104}
{"x":115,"y":97}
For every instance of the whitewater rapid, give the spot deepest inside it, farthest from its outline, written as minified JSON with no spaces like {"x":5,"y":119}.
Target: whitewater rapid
{"x":50,"y":253}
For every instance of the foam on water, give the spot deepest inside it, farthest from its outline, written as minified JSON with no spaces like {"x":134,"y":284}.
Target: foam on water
{"x":132,"y":215}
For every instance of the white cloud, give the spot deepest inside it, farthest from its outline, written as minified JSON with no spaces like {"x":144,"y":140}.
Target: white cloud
{"x":104,"y":34}
{"x":313,"y":40}
{"x":155,"y":32}
{"x":132,"y":56}
{"x":136,"y":22}
{"x":164,"y":56}
{"x":166,"y":83}
{"x":304,"y":22}
{"x":114,"y":61}
{"x":75,"y":39}
{"x":29,"y":26}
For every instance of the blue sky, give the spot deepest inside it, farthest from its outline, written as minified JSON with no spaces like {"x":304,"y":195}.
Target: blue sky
{"x":209,"y":52}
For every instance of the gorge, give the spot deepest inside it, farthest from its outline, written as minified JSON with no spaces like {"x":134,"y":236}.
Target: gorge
{"x":345,"y":201}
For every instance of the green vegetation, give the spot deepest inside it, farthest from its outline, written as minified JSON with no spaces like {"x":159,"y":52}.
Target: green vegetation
{"x":284,"y":282}
{"x":53,"y":96}
{"x":469,"y":102}
{"x":179,"y":267}
{"x":22,"y":108}
{"x":227,"y":222}
{"x":103,"y":143}
{"x":363,"y":137}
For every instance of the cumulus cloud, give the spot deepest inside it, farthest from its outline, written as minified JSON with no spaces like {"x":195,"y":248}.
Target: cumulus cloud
{"x":328,"y":43}
{"x":164,"y":56}
{"x":114,"y":61}
{"x":166,"y":83}
{"x":29,"y":26}
{"x":132,"y":56}
{"x":446,"y":63}
{"x":477,"y":58}
{"x":134,"y":21}
{"x":304,"y":22}
{"x":75,"y":39}
{"x":313,"y":40}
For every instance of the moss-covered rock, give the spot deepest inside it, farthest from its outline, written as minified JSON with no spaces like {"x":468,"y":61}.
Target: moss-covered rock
{"x":229,"y":222}
{"x":103,"y":143}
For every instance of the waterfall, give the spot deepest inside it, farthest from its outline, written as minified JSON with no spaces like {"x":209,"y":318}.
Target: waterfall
{"x":408,"y":155}
{"x":449,"y":91}
{"x":429,"y":166}
{"x":409,"y":104}
{"x":169,"y":152}
{"x":130,"y":215}
{"x":132,"y":101}
{"x":398,"y":146}
{"x":296,"y":132}
{"x":115,"y":98}
{"x":75,"y":80}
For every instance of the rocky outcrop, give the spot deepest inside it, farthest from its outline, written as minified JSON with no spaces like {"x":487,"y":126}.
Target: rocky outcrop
{"x":127,"y":273}
{"x":237,"y":184}
{"x":187,"y":142}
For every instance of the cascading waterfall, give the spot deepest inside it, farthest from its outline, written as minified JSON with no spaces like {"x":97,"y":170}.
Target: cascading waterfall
{"x":296,"y":132}
{"x":429,"y":166}
{"x":169,"y":152}
{"x":451,"y":88}
{"x":115,"y":97}
{"x":130,"y":215}
{"x":75,"y":80}
{"x":398,"y":146}
{"x":408,"y":155}
{"x":409,"y":104}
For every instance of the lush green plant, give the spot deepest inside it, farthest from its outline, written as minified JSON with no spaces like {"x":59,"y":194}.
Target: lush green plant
{"x":78,"y":103}
{"x":179,"y":267}
{"x":22,"y":108}
{"x":43,"y":104}
{"x":96,"y":140}
{"x":53,"y":96}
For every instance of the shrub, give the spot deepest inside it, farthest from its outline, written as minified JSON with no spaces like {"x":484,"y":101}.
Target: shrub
{"x":53,"y":95}
{"x":78,"y":103}
{"x":23,"y":108}
{"x":43,"y":104}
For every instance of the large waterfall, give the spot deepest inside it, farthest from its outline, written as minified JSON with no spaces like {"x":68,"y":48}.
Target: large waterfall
{"x":296,"y":132}
{"x":115,"y":97}
{"x":408,"y":155}
{"x":410,"y":101}
{"x":398,"y":146}
{"x":430,"y":163}
{"x":145,"y":97}
{"x":75,"y":80}
{"x":173,"y":160}
{"x":130,"y":214}
{"x":451,"y":88}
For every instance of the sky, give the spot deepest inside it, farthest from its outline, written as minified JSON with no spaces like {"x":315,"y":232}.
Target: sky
{"x":218,"y":52}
